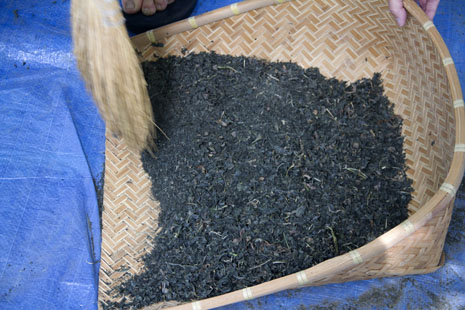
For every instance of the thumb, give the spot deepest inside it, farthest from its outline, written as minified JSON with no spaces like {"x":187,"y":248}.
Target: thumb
{"x":431,"y":7}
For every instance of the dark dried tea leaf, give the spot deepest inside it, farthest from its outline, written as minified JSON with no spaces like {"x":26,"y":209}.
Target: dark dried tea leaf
{"x":269,"y":169}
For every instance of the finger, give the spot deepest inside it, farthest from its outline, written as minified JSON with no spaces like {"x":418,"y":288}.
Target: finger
{"x":170,"y":1}
{"x":148,"y":7}
{"x":131,"y":6}
{"x":431,"y":8}
{"x":422,"y":4}
{"x":161,"y":4}
{"x":397,"y":9}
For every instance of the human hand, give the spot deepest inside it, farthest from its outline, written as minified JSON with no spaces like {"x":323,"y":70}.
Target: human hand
{"x":399,"y":12}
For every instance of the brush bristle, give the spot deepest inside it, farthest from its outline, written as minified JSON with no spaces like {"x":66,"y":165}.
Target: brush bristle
{"x":112,"y":72}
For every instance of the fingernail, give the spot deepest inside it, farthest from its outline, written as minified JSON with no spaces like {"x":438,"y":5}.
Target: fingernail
{"x":130,"y":5}
{"x":161,"y":5}
{"x":147,"y":11}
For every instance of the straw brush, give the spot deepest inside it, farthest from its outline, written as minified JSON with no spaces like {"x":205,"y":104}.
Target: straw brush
{"x":111,"y":70}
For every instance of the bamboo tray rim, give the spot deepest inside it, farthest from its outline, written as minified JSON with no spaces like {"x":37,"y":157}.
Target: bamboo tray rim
{"x":444,"y":196}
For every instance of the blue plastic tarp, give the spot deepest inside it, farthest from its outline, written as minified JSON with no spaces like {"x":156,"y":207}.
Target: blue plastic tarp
{"x":52,"y":156}
{"x":51,"y":150}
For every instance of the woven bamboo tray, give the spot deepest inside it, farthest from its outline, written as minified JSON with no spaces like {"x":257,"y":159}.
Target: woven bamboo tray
{"x":347,"y":40}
